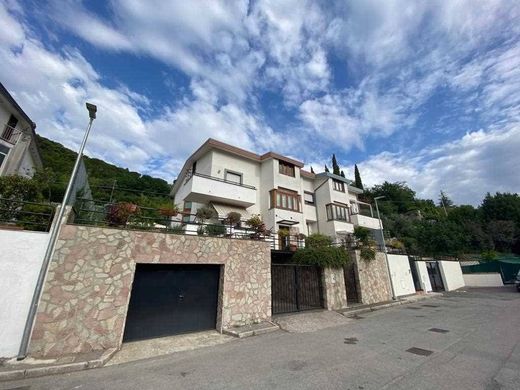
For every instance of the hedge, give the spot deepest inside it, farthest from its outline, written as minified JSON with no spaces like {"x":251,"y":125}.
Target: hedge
{"x":334,"y":257}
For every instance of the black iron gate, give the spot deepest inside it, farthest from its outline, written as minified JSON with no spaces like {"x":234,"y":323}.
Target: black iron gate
{"x":351,"y":285}
{"x":435,"y":275}
{"x":295,"y":288}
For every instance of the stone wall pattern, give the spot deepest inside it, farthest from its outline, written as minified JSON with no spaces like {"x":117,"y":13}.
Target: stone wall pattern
{"x":334,"y":291}
{"x":85,"y":299}
{"x":374,"y":282}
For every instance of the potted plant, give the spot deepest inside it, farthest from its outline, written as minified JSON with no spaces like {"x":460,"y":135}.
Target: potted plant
{"x":169,"y":210}
{"x":119,"y":213}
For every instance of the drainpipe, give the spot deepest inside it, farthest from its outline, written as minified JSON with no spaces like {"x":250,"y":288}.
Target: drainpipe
{"x":384,"y":248}
{"x":24,"y":345}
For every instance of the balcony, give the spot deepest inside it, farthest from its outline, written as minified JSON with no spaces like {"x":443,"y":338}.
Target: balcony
{"x":10,"y":134}
{"x":203,"y":189}
{"x":363,"y":215}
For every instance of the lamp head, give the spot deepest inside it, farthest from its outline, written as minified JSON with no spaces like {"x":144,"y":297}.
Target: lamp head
{"x":91,"y":110}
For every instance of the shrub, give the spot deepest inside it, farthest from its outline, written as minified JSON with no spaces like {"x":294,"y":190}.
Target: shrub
{"x":204,"y":213}
{"x":201,"y":230}
{"x":233,"y":218}
{"x":259,"y":229}
{"x":324,"y":256}
{"x":215,"y":230}
{"x":175,"y":229}
{"x":362,"y":234}
{"x":489,"y":255}
{"x":367,"y":253}
{"x":317,"y":240}
{"x":119,"y":213}
{"x":169,"y":210}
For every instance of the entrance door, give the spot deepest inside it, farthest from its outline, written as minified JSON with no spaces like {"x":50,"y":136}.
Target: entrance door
{"x":349,"y":273}
{"x":435,"y":276}
{"x":415,"y":275}
{"x":172,"y":299}
{"x":295,"y":288}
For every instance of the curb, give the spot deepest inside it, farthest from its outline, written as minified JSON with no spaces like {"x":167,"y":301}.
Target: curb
{"x":375,"y":307}
{"x":35,"y":372}
{"x":239,"y":333}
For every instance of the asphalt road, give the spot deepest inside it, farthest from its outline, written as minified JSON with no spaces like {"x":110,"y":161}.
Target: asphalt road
{"x":480,"y":350}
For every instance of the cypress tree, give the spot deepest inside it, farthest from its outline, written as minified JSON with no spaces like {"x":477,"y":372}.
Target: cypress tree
{"x":335,"y":166}
{"x":312,"y":170}
{"x":357,"y":178}
{"x":342,"y":173}
{"x":326,"y":168}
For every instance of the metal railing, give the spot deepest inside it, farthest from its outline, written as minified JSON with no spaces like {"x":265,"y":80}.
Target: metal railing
{"x":10,"y":134}
{"x":22,"y":215}
{"x":190,"y":175}
{"x":104,"y":214}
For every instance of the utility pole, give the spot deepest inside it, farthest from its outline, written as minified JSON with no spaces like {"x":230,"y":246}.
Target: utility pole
{"x":443,"y":205}
{"x":112,"y":192}
{"x":53,"y":237}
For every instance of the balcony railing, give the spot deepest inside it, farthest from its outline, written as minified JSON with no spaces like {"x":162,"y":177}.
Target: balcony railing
{"x":10,"y":134}
{"x":189,"y":176}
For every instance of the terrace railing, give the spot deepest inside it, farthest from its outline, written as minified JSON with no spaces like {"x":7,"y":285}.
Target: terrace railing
{"x":97,"y":213}
{"x":17,"y":214}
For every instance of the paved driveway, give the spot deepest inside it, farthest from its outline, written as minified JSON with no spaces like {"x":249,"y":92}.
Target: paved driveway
{"x":475,"y":346}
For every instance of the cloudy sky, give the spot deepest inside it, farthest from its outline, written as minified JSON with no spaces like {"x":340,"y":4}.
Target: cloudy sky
{"x":426,"y":92}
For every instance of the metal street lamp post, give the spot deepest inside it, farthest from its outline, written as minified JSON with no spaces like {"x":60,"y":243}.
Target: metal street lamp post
{"x":384,"y":247}
{"x":22,"y":353}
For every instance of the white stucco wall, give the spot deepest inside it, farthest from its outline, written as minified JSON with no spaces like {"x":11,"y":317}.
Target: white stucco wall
{"x":451,"y":275}
{"x":424,"y":278}
{"x":492,"y":279}
{"x":401,"y":275}
{"x":21,"y":258}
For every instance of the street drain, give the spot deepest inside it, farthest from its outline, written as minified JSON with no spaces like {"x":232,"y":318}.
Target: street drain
{"x":350,"y":340}
{"x":413,"y":307}
{"x":419,"y":351}
{"x":438,"y":330}
{"x":427,"y":305}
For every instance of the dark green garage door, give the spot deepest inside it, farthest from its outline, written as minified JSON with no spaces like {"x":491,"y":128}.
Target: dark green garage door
{"x":172,"y":299}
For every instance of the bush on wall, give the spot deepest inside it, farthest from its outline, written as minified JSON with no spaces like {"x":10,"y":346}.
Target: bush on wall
{"x":324,"y":256}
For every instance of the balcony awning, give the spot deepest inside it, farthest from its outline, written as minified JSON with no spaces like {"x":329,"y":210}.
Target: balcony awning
{"x":223,"y":210}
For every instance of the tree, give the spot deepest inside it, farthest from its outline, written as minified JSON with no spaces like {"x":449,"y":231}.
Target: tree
{"x":335,"y":166}
{"x":502,"y":233}
{"x":342,"y":174}
{"x":312,"y":170}
{"x":445,"y":202}
{"x":326,"y":168}
{"x":399,"y":198}
{"x":204,"y":213}
{"x":357,"y":178}
{"x":501,"y":206}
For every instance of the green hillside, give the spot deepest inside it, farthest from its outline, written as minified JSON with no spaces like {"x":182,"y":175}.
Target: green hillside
{"x":129,"y":186}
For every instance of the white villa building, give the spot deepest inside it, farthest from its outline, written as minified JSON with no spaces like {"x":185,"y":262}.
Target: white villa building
{"x":276,"y":187}
{"x":19,"y":153}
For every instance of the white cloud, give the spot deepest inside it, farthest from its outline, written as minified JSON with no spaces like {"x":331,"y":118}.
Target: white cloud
{"x":465,"y":169}
{"x":397,"y":55}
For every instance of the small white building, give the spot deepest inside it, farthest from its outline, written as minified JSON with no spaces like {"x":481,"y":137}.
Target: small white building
{"x":19,"y":153}
{"x":276,"y":187}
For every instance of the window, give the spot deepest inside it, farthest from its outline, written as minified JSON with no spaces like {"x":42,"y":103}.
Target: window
{"x":186,"y":212}
{"x":285,"y":199}
{"x":338,"y":185}
{"x":337,"y":212}
{"x":3,"y":153}
{"x":233,"y":177}
{"x":286,"y":168}
{"x":308,"y":197}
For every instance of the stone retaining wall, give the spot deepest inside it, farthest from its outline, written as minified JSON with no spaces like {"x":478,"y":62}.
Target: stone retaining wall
{"x":85,"y":299}
{"x":374,"y":282}
{"x":334,"y":291}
